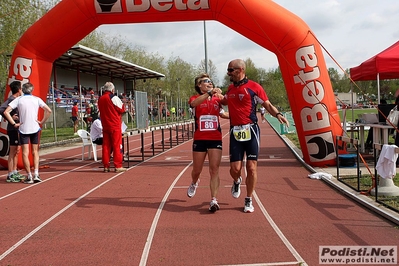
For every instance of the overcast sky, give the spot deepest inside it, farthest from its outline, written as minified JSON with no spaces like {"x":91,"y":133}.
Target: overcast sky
{"x":351,"y":30}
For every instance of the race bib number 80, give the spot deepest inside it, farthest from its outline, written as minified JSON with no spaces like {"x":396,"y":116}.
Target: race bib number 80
{"x":208,"y":122}
{"x":242,"y":133}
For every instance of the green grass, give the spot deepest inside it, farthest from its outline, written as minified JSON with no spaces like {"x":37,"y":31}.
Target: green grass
{"x":47,"y":135}
{"x":294,"y":137}
{"x":366,"y":184}
{"x":356,"y":112}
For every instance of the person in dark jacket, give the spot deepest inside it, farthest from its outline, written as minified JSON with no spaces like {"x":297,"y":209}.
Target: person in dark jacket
{"x":12,"y":132}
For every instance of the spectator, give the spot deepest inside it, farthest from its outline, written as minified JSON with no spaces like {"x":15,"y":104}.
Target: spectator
{"x":94,"y":109}
{"x":190,"y":110}
{"x":154,"y":113}
{"x":149,"y":111}
{"x":111,"y":109}
{"x":12,"y":133}
{"x":173,"y":112}
{"x":75,"y":117}
{"x":87,"y":118}
{"x":96,"y":132}
{"x":29,"y":127}
{"x":397,"y":126}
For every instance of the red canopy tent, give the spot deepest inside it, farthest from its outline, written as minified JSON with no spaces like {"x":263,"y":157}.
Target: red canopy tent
{"x":384,"y":65}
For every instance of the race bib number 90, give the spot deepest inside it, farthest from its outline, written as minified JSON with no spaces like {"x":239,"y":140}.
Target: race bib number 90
{"x":242,"y":133}
{"x":208,"y":122}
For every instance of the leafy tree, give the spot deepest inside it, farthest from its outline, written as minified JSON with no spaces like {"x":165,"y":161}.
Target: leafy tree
{"x":212,"y":71}
{"x":251,"y":70}
{"x":16,"y":16}
{"x":272,"y":82}
{"x":179,"y":81}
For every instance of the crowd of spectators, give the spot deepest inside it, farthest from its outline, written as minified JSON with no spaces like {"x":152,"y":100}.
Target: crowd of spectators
{"x":86,"y":99}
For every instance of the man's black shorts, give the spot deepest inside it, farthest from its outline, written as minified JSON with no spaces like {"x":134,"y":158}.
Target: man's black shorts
{"x":13,"y":136}
{"x":29,"y":138}
{"x":250,"y":147}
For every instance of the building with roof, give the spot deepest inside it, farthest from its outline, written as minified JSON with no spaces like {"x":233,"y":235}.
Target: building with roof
{"x":83,"y":66}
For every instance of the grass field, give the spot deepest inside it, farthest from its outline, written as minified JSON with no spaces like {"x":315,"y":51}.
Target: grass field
{"x":356,"y":112}
{"x":65,"y":133}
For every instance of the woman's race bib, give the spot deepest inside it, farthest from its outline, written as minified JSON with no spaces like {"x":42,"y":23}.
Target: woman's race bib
{"x":208,"y":122}
{"x":242,"y":133}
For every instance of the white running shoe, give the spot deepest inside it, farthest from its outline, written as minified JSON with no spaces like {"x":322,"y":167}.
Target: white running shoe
{"x":28,"y":180}
{"x":213,"y":206}
{"x":235,"y":189}
{"x":248,"y":207}
{"x":192,"y":189}
{"x":37,"y":179}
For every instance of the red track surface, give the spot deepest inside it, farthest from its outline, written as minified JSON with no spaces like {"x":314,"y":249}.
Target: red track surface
{"x":82,"y":216}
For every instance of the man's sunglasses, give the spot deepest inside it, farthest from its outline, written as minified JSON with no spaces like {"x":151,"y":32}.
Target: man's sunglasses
{"x":231,"y":69}
{"x":206,"y":81}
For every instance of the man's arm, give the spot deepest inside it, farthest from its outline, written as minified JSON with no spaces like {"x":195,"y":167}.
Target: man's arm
{"x":274,"y":112}
{"x":47,"y":113}
{"x":7,"y":116}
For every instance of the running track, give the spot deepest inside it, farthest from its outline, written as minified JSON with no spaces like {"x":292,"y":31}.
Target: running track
{"x":82,"y":216}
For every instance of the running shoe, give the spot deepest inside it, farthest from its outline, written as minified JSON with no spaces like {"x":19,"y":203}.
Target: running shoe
{"x":192,"y":189}
{"x":19,"y":176}
{"x":29,"y":180}
{"x":235,"y":189}
{"x":121,"y":169}
{"x":248,"y":205}
{"x":213,"y":206}
{"x":12,"y":179}
{"x":106,"y":170}
{"x":37,"y":179}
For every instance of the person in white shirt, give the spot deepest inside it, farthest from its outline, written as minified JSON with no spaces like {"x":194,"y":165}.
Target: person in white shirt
{"x":29,"y":127}
{"x":96,"y":132}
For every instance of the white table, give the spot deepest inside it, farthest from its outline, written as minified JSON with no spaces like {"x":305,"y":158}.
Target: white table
{"x":380,"y":134}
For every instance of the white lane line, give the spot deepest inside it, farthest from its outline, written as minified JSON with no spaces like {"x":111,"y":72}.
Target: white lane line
{"x":275,"y":227}
{"x":34,"y":231}
{"x":52,"y":161}
{"x":151,"y":233}
{"x":150,"y":237}
{"x":20,"y":242}
{"x":28,"y":186}
{"x":296,"y":255}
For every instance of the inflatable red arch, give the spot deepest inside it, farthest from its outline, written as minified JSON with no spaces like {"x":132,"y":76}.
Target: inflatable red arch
{"x":299,"y":55}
